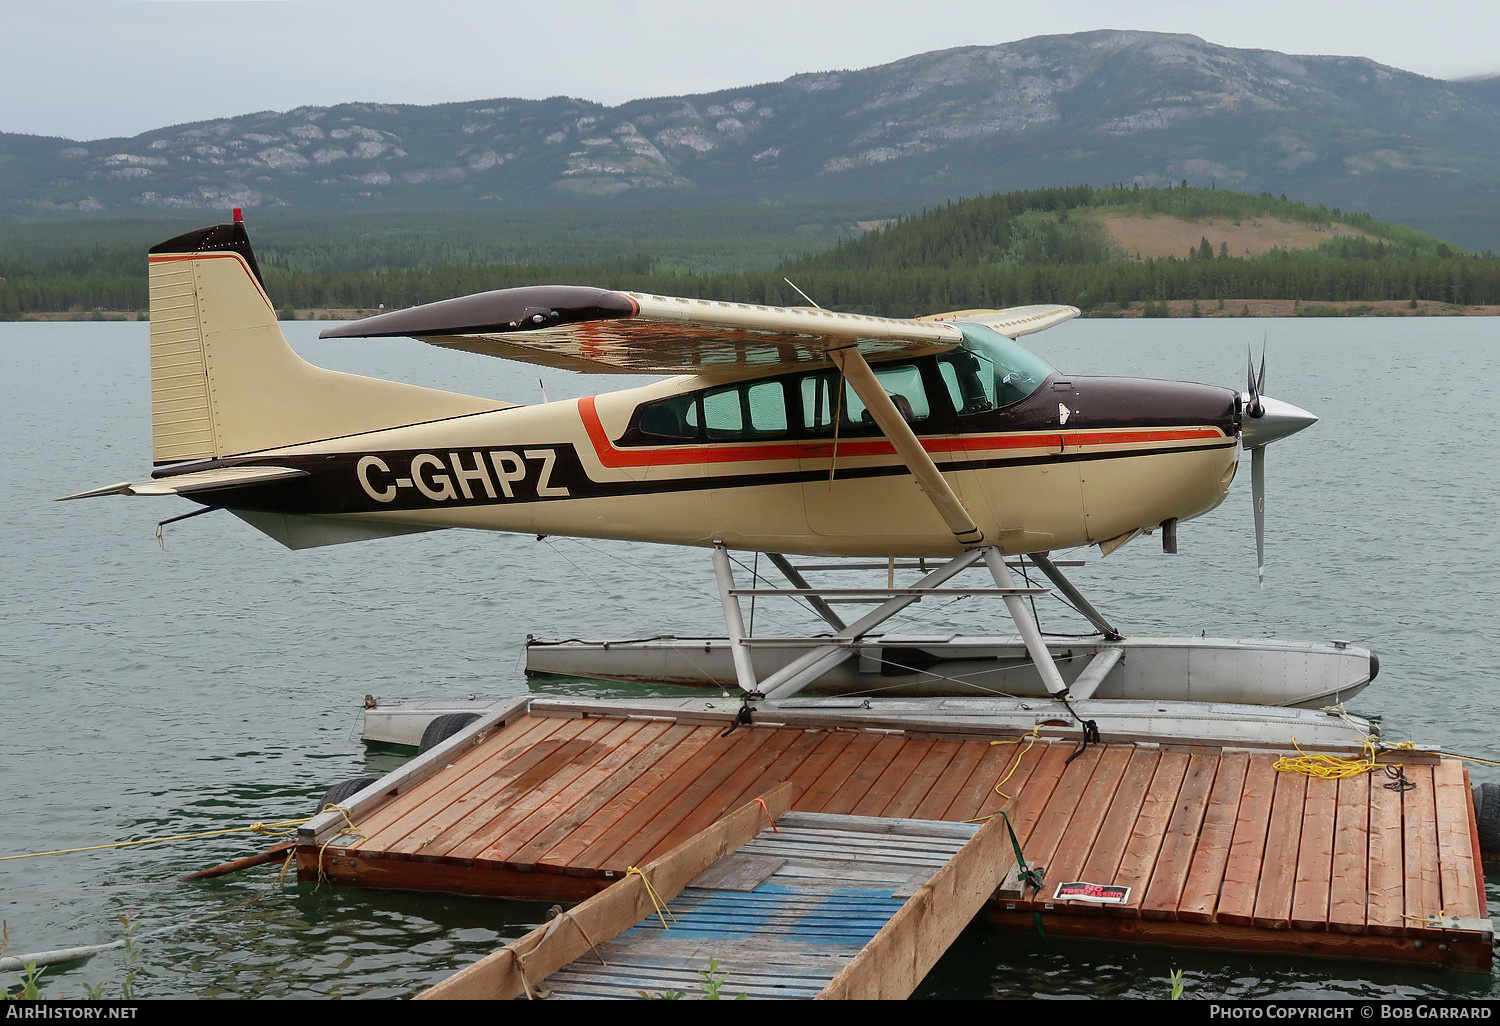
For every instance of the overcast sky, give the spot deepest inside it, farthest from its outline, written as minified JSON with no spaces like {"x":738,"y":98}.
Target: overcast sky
{"x":89,"y":69}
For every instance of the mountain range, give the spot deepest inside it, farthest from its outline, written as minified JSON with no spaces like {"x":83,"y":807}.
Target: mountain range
{"x":1096,"y":107}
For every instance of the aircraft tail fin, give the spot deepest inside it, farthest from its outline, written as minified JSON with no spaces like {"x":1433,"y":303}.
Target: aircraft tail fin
{"x":225,"y":382}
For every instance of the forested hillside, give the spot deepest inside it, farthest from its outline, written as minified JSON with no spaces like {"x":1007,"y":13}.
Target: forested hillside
{"x":1055,"y":245}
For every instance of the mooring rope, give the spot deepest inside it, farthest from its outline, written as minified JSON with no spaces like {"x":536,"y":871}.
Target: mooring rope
{"x":662,"y":912}
{"x":1031,"y":739}
{"x":259,"y":828}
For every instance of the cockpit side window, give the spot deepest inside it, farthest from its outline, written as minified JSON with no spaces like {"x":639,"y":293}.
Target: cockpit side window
{"x":990,"y":371}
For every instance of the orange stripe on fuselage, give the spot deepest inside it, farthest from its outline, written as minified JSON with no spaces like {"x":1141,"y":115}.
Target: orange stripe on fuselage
{"x":750,"y":452}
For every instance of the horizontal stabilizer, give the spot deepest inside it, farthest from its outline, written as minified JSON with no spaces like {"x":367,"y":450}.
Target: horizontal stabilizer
{"x":299,"y":532}
{"x":197,"y":481}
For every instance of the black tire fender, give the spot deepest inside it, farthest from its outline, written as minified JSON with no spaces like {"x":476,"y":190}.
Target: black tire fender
{"x":442,"y":728}
{"x":341,"y":792}
{"x":1487,"y":817}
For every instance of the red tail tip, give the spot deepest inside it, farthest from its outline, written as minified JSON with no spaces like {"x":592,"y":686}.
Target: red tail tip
{"x":239,"y":216}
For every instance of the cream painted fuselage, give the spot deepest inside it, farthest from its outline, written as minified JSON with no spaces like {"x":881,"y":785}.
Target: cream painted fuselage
{"x":1134,"y":455}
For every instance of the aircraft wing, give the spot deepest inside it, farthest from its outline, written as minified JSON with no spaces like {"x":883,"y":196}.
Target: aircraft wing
{"x":599,"y":331}
{"x":1013,"y":321}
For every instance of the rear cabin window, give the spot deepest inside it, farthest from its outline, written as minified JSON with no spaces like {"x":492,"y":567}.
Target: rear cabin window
{"x":804,"y":406}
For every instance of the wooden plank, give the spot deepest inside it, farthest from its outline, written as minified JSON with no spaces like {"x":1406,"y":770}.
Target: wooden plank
{"x":1280,"y":943}
{"x":1387,"y":865}
{"x":927,"y":777}
{"x":499,"y":812}
{"x":947,"y":788}
{"x":325,"y":826}
{"x":1083,"y":827}
{"x":603,"y":794}
{"x":906,"y":948}
{"x":443,"y":800}
{"x":1278,"y":877}
{"x":1351,"y":856}
{"x":1149,"y":831}
{"x":653,"y":820}
{"x":1181,"y":840}
{"x":400,"y":815}
{"x":1476,"y":854}
{"x":568,"y":854}
{"x":1314,"y":884}
{"x":1455,"y":811}
{"x":510,"y":839}
{"x":801,"y":759}
{"x":1205,"y":879}
{"x":897,"y":773}
{"x":1424,"y":888}
{"x":477,"y":799}
{"x":547,"y":948}
{"x":1040,"y":843}
{"x":1032,"y":800}
{"x":859,"y":782}
{"x":1247,"y":850}
{"x":1000,"y":774}
{"x":1103,"y":865}
{"x":776,"y":759}
{"x":829,"y":783}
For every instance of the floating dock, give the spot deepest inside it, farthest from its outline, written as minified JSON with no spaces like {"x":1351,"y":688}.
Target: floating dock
{"x":1203,"y":843}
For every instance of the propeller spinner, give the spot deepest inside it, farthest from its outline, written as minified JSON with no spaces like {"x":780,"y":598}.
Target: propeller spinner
{"x":1265,"y":420}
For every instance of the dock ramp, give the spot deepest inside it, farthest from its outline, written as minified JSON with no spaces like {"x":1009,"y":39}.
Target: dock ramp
{"x":781,"y":905}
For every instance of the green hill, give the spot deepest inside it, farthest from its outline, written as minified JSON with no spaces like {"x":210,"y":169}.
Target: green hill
{"x":1104,"y":250}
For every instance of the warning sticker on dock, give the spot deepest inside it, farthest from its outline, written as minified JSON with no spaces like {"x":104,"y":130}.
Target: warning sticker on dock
{"x":1104,"y":894}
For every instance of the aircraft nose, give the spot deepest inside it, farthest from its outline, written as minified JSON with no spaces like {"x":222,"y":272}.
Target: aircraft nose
{"x":1278,"y":420}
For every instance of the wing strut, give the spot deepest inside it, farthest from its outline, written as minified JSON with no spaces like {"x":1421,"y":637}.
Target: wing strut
{"x":857,"y":372}
{"x":899,"y":433}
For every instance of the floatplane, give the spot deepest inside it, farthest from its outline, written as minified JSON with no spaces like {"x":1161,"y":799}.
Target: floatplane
{"x":793,"y":431}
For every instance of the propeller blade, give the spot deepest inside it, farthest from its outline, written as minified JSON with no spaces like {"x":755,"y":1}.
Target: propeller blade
{"x":1258,"y":494}
{"x":1256,"y":385}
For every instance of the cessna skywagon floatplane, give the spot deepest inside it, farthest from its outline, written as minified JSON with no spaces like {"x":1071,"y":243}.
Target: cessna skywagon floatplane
{"x":785,"y":430}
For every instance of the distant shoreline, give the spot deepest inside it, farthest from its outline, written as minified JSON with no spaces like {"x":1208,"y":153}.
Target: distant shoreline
{"x":1177,"y":308}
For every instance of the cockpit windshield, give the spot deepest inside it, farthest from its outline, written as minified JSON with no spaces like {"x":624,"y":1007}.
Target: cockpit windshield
{"x":990,"y":371}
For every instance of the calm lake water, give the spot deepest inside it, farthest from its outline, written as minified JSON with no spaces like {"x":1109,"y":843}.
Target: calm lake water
{"x":215,"y":682}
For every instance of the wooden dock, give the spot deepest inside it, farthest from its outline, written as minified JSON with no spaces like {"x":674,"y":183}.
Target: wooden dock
{"x":554,"y":800}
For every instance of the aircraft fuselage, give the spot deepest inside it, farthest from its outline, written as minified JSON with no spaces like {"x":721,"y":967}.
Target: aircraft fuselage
{"x":1080,"y":460}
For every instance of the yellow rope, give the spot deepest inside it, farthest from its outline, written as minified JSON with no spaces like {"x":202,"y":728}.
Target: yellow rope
{"x":1328,"y":767}
{"x":662,"y":912}
{"x":259,"y":828}
{"x":1334,"y":767}
{"x":1031,"y":740}
{"x":1472,"y":758}
{"x":352,"y":831}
